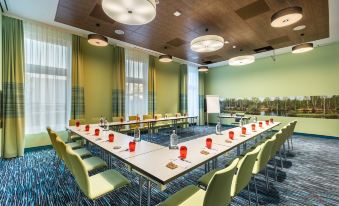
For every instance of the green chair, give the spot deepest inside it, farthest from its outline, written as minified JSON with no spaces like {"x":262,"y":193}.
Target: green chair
{"x":218,"y":192}
{"x":133,"y":126}
{"x":97,"y":185}
{"x":275,"y":148}
{"x":121,"y":129}
{"x":243,"y":176}
{"x":91,"y":163}
{"x":290,"y":134}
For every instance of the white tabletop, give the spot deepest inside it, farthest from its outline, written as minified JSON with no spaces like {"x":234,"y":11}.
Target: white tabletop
{"x":150,"y":120}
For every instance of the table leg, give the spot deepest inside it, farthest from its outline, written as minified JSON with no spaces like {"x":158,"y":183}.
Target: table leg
{"x":140,"y":189}
{"x":149,"y":189}
{"x":244,"y":146}
{"x":238,"y":150}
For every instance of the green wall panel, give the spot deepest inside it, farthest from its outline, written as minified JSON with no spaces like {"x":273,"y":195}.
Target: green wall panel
{"x":312,"y":73}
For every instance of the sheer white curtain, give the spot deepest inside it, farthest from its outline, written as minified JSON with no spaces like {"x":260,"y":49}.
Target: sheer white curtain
{"x":136,"y":92}
{"x":47,"y":77}
{"x":193,"y":91}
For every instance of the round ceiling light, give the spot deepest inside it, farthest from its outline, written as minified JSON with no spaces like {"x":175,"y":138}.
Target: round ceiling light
{"x":207,"y":43}
{"x":301,"y":48}
{"x":203,"y":69}
{"x":286,"y":17}
{"x":97,"y":40}
{"x":130,"y":12}
{"x":165,"y":58}
{"x":241,"y":60}
{"x":300,"y":27}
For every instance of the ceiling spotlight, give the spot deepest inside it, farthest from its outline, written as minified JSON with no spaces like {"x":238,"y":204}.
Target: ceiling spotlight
{"x":131,"y":12}
{"x":226,"y":42}
{"x":203,"y":69}
{"x":97,"y":40}
{"x":234,"y":47}
{"x":207,"y":43}
{"x":300,"y":27}
{"x":241,"y":60}
{"x":165,"y":58}
{"x":119,"y":32}
{"x":301,"y":48}
{"x":177,"y":13}
{"x":286,"y":17}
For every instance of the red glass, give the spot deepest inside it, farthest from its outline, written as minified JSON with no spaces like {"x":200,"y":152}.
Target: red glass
{"x":183,"y":152}
{"x":209,"y":143}
{"x":243,"y":130}
{"x":260,"y":124}
{"x":253,"y":127}
{"x":267,"y":122}
{"x":111,"y":137}
{"x":271,"y":120}
{"x":155,"y":117}
{"x":176,"y":115}
{"x":77,"y":123}
{"x":96,"y":132}
{"x":121,"y":120}
{"x":231,"y":135}
{"x":131,"y":146}
{"x":87,"y":128}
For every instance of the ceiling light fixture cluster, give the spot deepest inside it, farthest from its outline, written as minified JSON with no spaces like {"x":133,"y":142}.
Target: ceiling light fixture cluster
{"x":207,"y":43}
{"x":241,"y":60}
{"x":165,"y":58}
{"x":97,"y":40}
{"x":203,"y":68}
{"x":130,"y":12}
{"x":287,"y":16}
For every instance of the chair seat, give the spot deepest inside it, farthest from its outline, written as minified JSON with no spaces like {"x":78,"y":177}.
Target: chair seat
{"x":188,"y":196}
{"x":82,"y":152}
{"x":106,"y":182}
{"x":74,"y":145}
{"x":75,"y":137}
{"x":93,"y":163}
{"x":205,"y":179}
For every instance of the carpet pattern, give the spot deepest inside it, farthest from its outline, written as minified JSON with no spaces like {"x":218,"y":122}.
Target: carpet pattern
{"x":310,"y":177}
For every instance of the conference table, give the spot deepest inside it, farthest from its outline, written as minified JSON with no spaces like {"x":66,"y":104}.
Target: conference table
{"x":156,"y":172}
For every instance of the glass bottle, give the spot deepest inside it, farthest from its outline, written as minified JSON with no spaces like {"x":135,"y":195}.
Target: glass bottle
{"x":255,"y":119}
{"x":137,"y":137}
{"x":101,"y":121}
{"x":218,"y":128}
{"x":173,"y":141}
{"x":240,"y":122}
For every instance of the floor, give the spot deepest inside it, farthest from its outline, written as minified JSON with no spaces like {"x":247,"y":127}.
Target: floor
{"x":310,"y":177}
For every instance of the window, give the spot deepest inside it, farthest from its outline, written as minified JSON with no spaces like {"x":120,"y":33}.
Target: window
{"x":136,"y":91}
{"x":193,"y":91}
{"x":47,"y":78}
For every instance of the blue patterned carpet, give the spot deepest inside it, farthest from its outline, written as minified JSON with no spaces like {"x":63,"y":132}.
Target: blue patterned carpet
{"x":310,"y":177}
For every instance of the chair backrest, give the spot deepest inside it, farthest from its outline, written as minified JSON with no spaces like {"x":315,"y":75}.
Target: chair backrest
{"x":118,"y":119}
{"x":292,"y":128}
{"x":277,"y":143}
{"x":62,"y":148}
{"x":147,"y":116}
{"x":79,"y":171}
{"x":218,"y":192}
{"x":178,"y":114}
{"x":53,"y":136}
{"x":133,"y":126}
{"x":264,"y":155}
{"x":244,"y":174}
{"x":170,"y":115}
{"x":72,"y":122}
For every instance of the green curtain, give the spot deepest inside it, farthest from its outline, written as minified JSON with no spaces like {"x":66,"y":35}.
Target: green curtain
{"x":183,"y":89}
{"x":78,"y":95}
{"x":118,"y":96}
{"x":13,"y":74}
{"x":151,"y":85}
{"x":201,"y":98}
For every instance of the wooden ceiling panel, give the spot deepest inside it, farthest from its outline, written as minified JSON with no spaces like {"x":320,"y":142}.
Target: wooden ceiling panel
{"x":244,"y":23}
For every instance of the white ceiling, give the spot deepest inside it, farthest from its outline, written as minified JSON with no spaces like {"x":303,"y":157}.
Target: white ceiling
{"x":44,"y":11}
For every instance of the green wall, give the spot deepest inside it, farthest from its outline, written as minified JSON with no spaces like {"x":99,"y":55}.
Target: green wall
{"x":312,"y":73}
{"x":167,"y":85}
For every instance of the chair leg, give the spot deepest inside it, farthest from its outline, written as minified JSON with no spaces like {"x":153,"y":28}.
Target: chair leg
{"x":275,"y":169}
{"x":249,"y":194}
{"x":292,"y":142}
{"x":284,"y":148}
{"x":267,"y":183}
{"x":281,"y":160}
{"x":256,"y":190}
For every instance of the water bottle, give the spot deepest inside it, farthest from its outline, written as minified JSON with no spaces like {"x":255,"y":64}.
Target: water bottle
{"x":106,"y":125}
{"x":137,"y":135}
{"x":218,"y":128}
{"x":173,"y":141}
{"x":255,"y":120}
{"x":240,"y":122}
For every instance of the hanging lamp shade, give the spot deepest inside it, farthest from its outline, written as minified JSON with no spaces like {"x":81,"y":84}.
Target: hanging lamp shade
{"x":287,"y":16}
{"x":207,"y":43}
{"x":302,"y":48}
{"x":165,"y":58}
{"x":130,"y":12}
{"x":97,"y":40}
{"x":241,"y":60}
{"x":203,"y":69}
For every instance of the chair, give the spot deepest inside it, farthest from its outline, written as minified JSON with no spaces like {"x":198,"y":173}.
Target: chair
{"x":275,"y":148}
{"x":122,"y":129}
{"x":73,"y":145}
{"x":290,"y":135}
{"x":218,"y":192}
{"x":133,"y":126}
{"x":243,"y":176}
{"x":146,"y":117}
{"x":97,"y":185}
{"x":91,"y":163}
